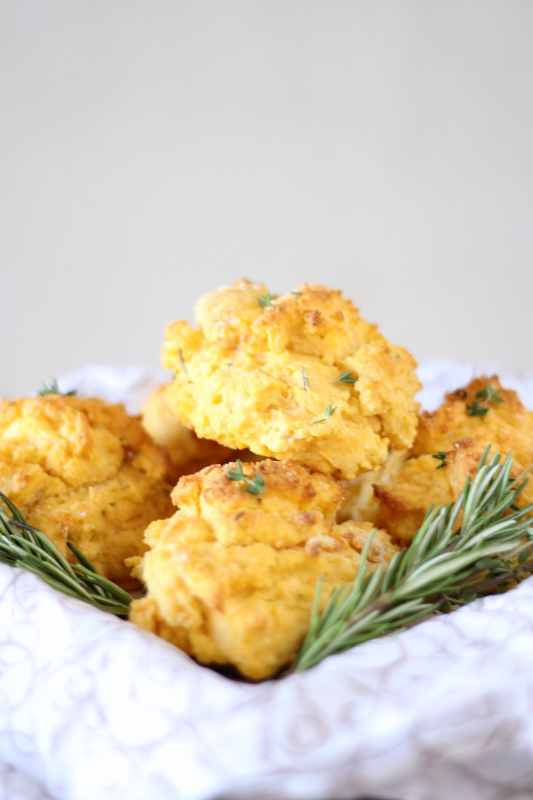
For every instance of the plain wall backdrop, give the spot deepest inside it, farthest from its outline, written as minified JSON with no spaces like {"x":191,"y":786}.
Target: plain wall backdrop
{"x":153,"y":151}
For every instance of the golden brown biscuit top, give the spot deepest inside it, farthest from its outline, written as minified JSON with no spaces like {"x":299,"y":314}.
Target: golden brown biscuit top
{"x":83,"y":472}
{"x":506,"y":424}
{"x":448,"y":449}
{"x":295,"y":502}
{"x":82,"y":441}
{"x":315,"y":321}
{"x":299,"y":377}
{"x":232,"y":575}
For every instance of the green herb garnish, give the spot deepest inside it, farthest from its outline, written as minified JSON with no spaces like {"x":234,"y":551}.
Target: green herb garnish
{"x":486,"y":395}
{"x":476,"y":410}
{"x":441,"y":456}
{"x":346,"y":377}
{"x":24,"y":546}
{"x":266,"y":300}
{"x":489,"y":394}
{"x":253,"y":485}
{"x":328,"y":413}
{"x":446,"y":566}
{"x":184,"y":368}
{"x":305,"y":379}
{"x":54,"y":389}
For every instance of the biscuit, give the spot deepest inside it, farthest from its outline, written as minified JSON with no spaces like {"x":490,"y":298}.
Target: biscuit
{"x":231,"y":576}
{"x":454,"y":430}
{"x":298,"y":377}
{"x":83,"y":471}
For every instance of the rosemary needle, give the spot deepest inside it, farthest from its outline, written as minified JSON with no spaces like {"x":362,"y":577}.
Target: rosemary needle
{"x":447,"y":565}
{"x":24,"y":546}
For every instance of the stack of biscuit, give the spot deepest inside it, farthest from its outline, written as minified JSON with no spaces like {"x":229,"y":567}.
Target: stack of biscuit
{"x":325,"y":405}
{"x":292,"y":433}
{"x":319,"y":397}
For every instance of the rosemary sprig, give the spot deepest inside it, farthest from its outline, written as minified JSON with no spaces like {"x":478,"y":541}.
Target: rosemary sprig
{"x":24,"y":546}
{"x":54,"y":389}
{"x":346,"y":377}
{"x":447,"y":565}
{"x":328,"y":413}
{"x":253,"y":485}
{"x":440,"y":456}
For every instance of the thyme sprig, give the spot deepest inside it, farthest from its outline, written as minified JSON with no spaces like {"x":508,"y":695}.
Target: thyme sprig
{"x":184,"y":368}
{"x":24,"y":546}
{"x":487,"y":395}
{"x":346,"y":377}
{"x":476,"y":409}
{"x":253,"y":485}
{"x":441,"y":456}
{"x":328,"y":413}
{"x":450,"y":562}
{"x":54,"y":389}
{"x":266,"y":300}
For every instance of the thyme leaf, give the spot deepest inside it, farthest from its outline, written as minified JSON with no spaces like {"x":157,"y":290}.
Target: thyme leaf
{"x":45,"y":390}
{"x":441,"y":456}
{"x":328,"y":413}
{"x":184,"y":368}
{"x":476,"y":409}
{"x":266,"y":300}
{"x":253,"y":485}
{"x":346,"y":377}
{"x":489,"y":394}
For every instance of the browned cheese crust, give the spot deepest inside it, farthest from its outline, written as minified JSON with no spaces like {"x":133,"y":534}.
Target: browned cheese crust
{"x":263,"y":379}
{"x":84,"y":471}
{"x":232,"y":575}
{"x":403,"y":499}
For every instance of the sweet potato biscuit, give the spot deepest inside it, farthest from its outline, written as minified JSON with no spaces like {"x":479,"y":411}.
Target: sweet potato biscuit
{"x":461,"y":431}
{"x":232,"y":575}
{"x":296,"y":377}
{"x":506,"y":424}
{"x":84,"y":471}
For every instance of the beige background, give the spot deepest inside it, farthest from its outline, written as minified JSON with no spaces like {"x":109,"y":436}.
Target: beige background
{"x":151,"y":151}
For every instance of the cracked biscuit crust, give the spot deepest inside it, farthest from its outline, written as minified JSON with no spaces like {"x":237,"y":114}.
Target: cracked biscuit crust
{"x":83,"y":470}
{"x":268,"y":379}
{"x":507,"y":426}
{"x":232,"y":575}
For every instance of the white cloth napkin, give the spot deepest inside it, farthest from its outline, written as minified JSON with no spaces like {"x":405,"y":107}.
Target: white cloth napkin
{"x":92,"y":708}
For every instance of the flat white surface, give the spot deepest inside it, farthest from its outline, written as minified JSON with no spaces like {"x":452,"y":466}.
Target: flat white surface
{"x":93,"y":708}
{"x":150,"y":152}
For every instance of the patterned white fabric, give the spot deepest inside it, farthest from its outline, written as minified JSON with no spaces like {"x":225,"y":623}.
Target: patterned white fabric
{"x":92,"y":708}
